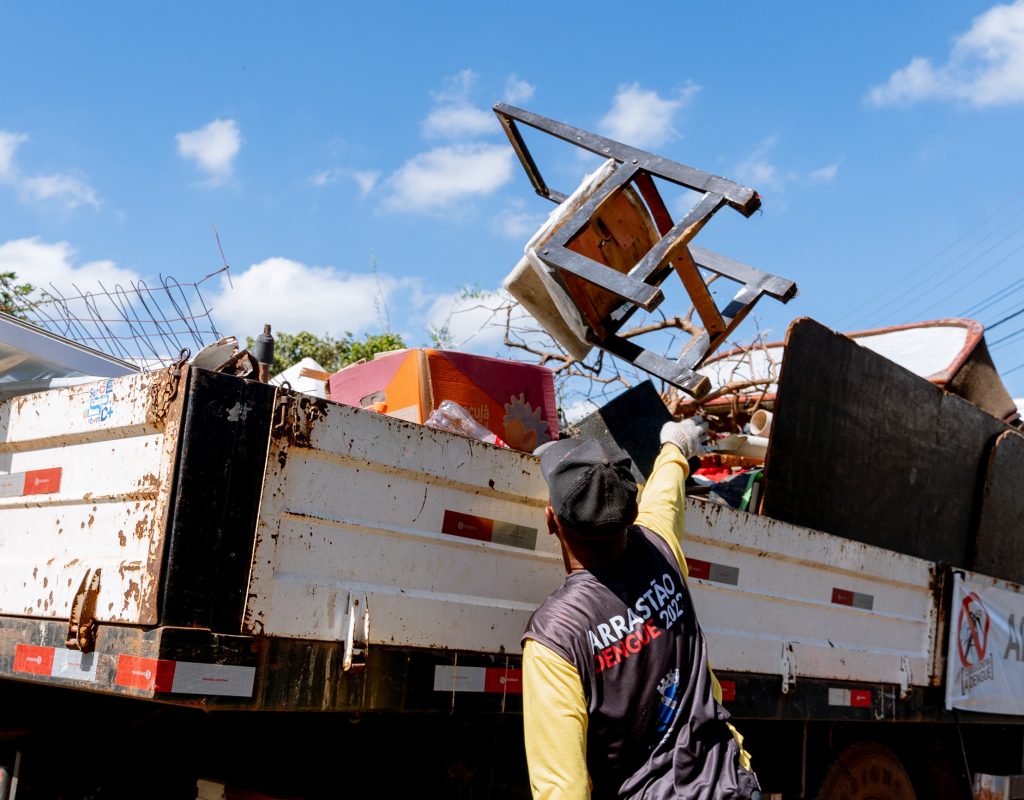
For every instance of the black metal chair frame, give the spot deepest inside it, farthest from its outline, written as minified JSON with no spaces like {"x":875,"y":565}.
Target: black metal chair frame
{"x":672,"y":252}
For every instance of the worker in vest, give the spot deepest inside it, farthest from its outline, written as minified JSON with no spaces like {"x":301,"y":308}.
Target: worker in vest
{"x":619,"y":700}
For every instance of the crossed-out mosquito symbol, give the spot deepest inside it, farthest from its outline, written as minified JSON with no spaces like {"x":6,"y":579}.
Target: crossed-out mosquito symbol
{"x":972,"y":639}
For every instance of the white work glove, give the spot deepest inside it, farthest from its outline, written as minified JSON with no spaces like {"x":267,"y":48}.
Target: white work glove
{"x":687,"y":435}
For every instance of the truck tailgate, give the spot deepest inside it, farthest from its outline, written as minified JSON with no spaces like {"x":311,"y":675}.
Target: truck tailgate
{"x":86,"y":476}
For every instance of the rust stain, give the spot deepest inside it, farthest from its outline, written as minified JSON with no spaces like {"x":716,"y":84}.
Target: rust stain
{"x":141,"y":528}
{"x":46,"y":581}
{"x":121,"y":538}
{"x":129,"y":566}
{"x":149,"y":482}
{"x":35,"y":572}
{"x":133,"y":592}
{"x":92,"y":519}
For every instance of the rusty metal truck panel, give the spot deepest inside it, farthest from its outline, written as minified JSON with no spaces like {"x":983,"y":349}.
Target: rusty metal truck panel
{"x":774,"y":598}
{"x":86,"y":478}
{"x":431,"y":539}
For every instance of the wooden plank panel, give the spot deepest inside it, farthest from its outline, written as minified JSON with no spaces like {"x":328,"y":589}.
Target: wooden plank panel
{"x":863,"y":448}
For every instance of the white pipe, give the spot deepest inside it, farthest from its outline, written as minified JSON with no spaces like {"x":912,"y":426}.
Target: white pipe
{"x":742,"y":445}
{"x":761,"y":422}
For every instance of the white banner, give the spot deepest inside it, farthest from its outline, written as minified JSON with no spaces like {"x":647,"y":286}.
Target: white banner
{"x":985,"y":658}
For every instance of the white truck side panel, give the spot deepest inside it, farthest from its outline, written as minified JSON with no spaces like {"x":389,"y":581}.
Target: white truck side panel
{"x":806,"y":603}
{"x":363,"y":513}
{"x":114,"y":467}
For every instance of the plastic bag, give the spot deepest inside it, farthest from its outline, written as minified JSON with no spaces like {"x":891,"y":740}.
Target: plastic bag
{"x":451,"y":417}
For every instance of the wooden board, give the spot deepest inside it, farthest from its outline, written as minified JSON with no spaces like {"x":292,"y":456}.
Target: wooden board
{"x":618,"y":235}
{"x":999,"y":544}
{"x":632,"y":422}
{"x":865,"y":449}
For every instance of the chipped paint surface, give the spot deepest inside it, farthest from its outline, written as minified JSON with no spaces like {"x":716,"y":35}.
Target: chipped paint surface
{"x":359,"y":512}
{"x":784,"y":601}
{"x":109,"y":514}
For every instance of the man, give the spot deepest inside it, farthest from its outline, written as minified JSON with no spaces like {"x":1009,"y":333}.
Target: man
{"x":619,"y":700}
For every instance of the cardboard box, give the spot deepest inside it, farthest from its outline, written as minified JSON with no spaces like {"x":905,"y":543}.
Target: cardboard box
{"x":514,"y":400}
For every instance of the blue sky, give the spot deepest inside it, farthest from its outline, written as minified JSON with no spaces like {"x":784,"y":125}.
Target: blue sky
{"x":349,"y":159}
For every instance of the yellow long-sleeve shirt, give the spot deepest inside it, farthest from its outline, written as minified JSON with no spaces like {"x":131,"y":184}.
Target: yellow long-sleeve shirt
{"x":554,"y":707}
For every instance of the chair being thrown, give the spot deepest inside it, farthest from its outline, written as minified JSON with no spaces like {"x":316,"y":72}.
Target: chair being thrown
{"x":606,"y":249}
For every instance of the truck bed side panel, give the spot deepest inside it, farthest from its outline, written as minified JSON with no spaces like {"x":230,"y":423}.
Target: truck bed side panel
{"x":108,"y":452}
{"x":443,"y":536}
{"x":775,"y":598}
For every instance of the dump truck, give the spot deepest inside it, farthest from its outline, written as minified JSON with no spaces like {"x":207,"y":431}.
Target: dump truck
{"x":212,"y":586}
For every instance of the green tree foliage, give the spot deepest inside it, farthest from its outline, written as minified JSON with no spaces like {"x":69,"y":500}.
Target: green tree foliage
{"x":332,"y":354}
{"x":14,"y":296}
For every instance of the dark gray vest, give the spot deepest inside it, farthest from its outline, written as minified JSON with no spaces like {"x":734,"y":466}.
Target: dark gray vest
{"x":655,"y":730}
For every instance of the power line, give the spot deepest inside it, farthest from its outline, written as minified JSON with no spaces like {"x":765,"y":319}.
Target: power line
{"x":941,"y":252}
{"x":1001,"y":294}
{"x":977,"y":275}
{"x":1013,"y":369}
{"x":1016,"y":313}
{"x":1005,"y":338}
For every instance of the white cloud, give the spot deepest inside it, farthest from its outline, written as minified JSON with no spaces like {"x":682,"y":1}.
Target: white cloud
{"x":324,"y":177}
{"x":643,"y":118}
{"x":69,"y":191}
{"x":454,"y":116}
{"x":9,"y":142}
{"x":437,"y":178}
{"x":824,"y":174}
{"x":61,"y":189}
{"x":514,"y":223}
{"x":457,"y":88}
{"x":757,"y":171}
{"x":985,"y":66}
{"x":473,"y":320}
{"x":457,"y":121}
{"x":44,"y":263}
{"x":576,"y":412}
{"x":517,"y":91}
{"x":294,"y":297}
{"x":212,"y":148}
{"x":366,"y":180}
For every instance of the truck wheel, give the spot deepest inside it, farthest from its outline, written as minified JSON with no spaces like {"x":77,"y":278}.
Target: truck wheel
{"x":866,"y":771}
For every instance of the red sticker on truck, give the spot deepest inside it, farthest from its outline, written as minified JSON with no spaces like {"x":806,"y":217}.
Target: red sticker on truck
{"x":35,"y":481}
{"x":32,"y":659}
{"x":493,"y":680}
{"x":716,"y":573}
{"x":844,"y":597}
{"x":482,"y":529}
{"x":855,"y":698}
{"x":134,"y":672}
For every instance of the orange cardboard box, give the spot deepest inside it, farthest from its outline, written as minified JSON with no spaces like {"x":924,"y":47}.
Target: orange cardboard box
{"x":514,"y":400}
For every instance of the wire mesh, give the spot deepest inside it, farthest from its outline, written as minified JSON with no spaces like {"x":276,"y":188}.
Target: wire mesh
{"x":143,"y":324}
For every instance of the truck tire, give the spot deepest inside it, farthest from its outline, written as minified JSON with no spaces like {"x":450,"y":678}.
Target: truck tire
{"x":866,"y":771}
